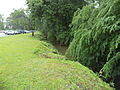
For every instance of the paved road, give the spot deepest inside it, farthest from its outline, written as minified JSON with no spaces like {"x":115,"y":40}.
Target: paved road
{"x":2,"y":35}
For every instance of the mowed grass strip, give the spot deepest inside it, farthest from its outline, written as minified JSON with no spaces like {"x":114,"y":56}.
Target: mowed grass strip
{"x":27,"y":63}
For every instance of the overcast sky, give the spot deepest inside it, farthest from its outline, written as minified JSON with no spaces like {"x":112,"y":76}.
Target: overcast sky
{"x":7,"y":6}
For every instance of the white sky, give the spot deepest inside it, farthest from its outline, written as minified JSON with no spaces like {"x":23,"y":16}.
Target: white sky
{"x":7,"y":6}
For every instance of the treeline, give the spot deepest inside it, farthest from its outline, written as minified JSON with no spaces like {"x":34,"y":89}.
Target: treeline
{"x":18,"y":19}
{"x":90,"y":28}
{"x":1,"y":22}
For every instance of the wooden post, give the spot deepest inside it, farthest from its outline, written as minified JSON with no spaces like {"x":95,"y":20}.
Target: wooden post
{"x":33,"y":33}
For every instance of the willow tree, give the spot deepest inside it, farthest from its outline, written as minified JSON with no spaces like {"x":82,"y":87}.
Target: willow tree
{"x":53,"y":17}
{"x":96,"y":42}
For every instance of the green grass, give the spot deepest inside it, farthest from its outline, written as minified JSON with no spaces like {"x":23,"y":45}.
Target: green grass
{"x":27,"y":63}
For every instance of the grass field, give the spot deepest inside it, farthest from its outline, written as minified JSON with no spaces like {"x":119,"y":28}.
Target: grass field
{"x":27,"y":63}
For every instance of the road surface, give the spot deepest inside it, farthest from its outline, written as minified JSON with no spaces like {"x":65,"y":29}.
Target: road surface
{"x":2,"y":35}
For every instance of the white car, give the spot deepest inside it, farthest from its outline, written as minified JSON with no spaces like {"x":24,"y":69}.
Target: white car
{"x":26,"y":31}
{"x":10,"y":32}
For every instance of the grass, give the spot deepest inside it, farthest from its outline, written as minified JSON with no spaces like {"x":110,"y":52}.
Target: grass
{"x":27,"y":63}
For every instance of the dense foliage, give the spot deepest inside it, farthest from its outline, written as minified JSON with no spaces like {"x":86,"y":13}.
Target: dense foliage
{"x":53,"y":17}
{"x":96,"y":42}
{"x":19,"y":19}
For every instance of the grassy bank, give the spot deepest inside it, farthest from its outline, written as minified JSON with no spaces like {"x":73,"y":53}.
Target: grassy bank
{"x":27,"y":63}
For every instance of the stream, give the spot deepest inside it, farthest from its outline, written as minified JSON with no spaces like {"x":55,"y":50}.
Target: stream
{"x":61,"y":48}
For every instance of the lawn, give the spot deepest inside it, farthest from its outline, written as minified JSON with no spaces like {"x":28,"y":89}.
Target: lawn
{"x":26,"y":63}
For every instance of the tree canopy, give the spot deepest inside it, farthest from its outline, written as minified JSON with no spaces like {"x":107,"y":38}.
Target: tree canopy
{"x":19,"y":19}
{"x":1,"y":22}
{"x":53,"y":17}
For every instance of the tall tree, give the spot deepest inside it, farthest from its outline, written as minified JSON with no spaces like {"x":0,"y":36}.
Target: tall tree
{"x":53,"y":17}
{"x":1,"y":22}
{"x":19,"y":19}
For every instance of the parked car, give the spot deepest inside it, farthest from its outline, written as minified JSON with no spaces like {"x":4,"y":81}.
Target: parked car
{"x":32,"y":30}
{"x":21,"y":31}
{"x":16,"y":32}
{"x":26,"y":31}
{"x":9,"y":32}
